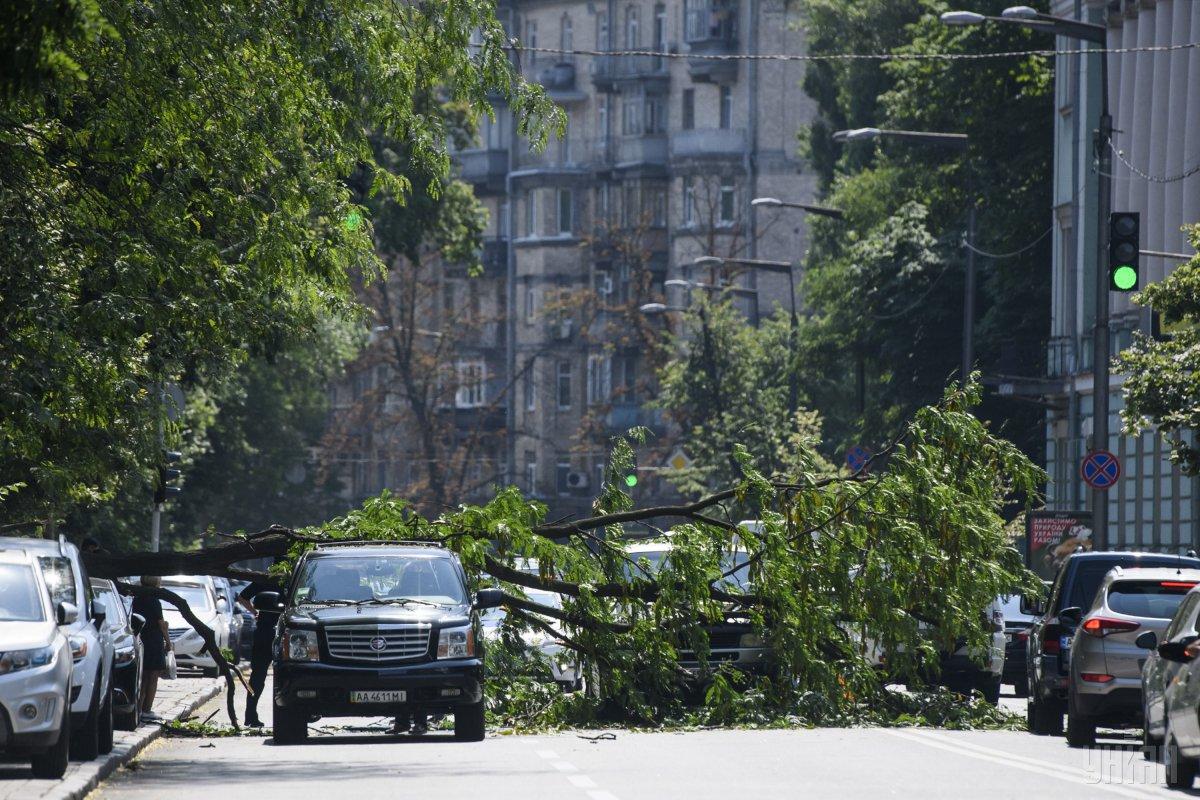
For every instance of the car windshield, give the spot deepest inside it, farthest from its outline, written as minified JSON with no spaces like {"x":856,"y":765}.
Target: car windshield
{"x":114,"y":612}
{"x":740,"y":578}
{"x":359,"y":579}
{"x":60,"y":579}
{"x":1091,"y":574}
{"x":1158,"y":599}
{"x":19,"y":601}
{"x":195,"y":596}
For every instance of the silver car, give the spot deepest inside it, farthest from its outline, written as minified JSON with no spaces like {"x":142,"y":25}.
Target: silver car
{"x":1161,"y":673}
{"x":1105,"y":686}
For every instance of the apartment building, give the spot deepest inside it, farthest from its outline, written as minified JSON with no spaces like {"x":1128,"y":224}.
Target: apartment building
{"x":1155,"y":102}
{"x":663,"y":152}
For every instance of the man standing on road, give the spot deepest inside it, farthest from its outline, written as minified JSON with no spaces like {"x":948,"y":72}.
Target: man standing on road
{"x":260,"y":655}
{"x":156,"y":643}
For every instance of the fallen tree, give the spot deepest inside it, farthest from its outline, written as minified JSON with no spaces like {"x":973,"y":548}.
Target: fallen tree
{"x":899,"y":559}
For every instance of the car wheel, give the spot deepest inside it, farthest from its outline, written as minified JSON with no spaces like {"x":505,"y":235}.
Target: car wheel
{"x":1044,"y":717}
{"x":289,"y":727}
{"x":989,"y":687}
{"x":1181,"y":770}
{"x":104,"y":726}
{"x":52,"y":764}
{"x":87,"y":740}
{"x":1151,"y":745}
{"x":469,"y":722}
{"x":1021,"y":687}
{"x":129,"y":720}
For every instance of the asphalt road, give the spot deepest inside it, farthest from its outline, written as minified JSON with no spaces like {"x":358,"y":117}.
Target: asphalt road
{"x":848,"y":763}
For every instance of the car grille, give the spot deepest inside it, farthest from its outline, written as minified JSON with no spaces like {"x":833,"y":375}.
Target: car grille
{"x":175,"y":633}
{"x":377,"y":643}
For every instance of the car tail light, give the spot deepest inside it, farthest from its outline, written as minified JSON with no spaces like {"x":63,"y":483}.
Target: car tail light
{"x":1021,"y":636}
{"x":1095,"y":677}
{"x":1103,"y":626}
{"x":1050,"y":645}
{"x":1177,"y":584}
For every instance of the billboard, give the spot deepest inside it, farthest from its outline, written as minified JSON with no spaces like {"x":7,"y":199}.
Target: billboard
{"x":1052,"y":536}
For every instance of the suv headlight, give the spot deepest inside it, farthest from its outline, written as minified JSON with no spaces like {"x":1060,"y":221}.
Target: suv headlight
{"x":122,"y":657}
{"x":78,"y":647}
{"x":300,"y":645}
{"x":456,"y":642}
{"x":17,"y":660}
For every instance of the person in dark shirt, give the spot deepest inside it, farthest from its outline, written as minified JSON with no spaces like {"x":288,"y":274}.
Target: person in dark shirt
{"x":260,"y":655}
{"x":156,"y":642}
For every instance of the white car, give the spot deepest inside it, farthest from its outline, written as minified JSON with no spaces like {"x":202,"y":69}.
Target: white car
{"x":35,"y":667}
{"x":201,"y":596}
{"x":91,"y":646}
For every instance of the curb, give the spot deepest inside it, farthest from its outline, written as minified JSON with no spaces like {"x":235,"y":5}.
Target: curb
{"x":77,"y":787}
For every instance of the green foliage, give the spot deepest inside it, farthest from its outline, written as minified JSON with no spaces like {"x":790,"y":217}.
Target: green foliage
{"x":175,"y":197}
{"x":1163,"y":387}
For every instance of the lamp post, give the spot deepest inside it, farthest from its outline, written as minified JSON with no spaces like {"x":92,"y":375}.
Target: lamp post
{"x":949,"y":141}
{"x":710,"y":362}
{"x":1027,"y":17}
{"x":775,"y":202}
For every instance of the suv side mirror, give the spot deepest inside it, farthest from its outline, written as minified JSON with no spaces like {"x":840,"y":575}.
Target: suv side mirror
{"x":99,"y":614}
{"x":136,"y":623}
{"x":66,"y":613}
{"x":488,"y":598}
{"x":1032,"y":606}
{"x":1147,"y":640}
{"x":266,"y":601}
{"x":1070,"y":616}
{"x":222,"y":604}
{"x":1176,"y":651}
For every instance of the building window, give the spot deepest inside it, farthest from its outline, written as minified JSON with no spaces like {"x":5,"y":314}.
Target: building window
{"x":599,"y":379}
{"x":530,"y":304}
{"x":628,"y":205}
{"x":563,"y":385}
{"x":562,"y":474}
{"x":531,"y":40}
{"x":602,"y":115}
{"x":631,"y":115}
{"x":689,"y":109}
{"x":728,"y":207}
{"x":531,"y":213}
{"x":566,"y":211}
{"x":655,"y":120}
{"x":602,"y":30}
{"x":689,"y":203}
{"x":566,"y":40}
{"x":602,"y":202}
{"x":632,"y":31}
{"x":529,"y":386}
{"x":657,"y":202}
{"x":471,"y":376}
{"x":726,"y":102}
{"x":531,"y":472}
{"x":626,"y":380}
{"x":448,"y":298}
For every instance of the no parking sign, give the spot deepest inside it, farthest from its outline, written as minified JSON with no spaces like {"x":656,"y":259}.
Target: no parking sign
{"x":1100,"y":469}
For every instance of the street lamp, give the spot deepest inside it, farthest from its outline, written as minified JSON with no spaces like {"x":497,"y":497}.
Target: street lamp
{"x":775,"y":202}
{"x":1027,"y":17}
{"x":679,"y":283}
{"x":948,"y":141}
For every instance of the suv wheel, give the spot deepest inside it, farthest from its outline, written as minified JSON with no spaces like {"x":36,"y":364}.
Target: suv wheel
{"x":52,"y":764}
{"x":289,"y":727}
{"x":1081,"y":731}
{"x":1181,"y":770}
{"x":989,"y":687}
{"x":87,"y":741}
{"x":1044,"y":717}
{"x":1151,"y":745}
{"x":468,"y":722}
{"x":1021,"y":687}
{"x":104,"y":726}
{"x":129,"y":720}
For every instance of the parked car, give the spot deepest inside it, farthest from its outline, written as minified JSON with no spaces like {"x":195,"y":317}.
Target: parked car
{"x":1048,"y":656}
{"x":124,"y":628}
{"x":965,"y":669}
{"x":1159,"y":673}
{"x":91,"y":646}
{"x":232,"y":613}
{"x":378,"y":629}
{"x":1105,"y":686}
{"x":201,"y":596}
{"x":35,"y":667}
{"x":1016,"y":641}
{"x":1174,"y":679}
{"x":245,"y":648}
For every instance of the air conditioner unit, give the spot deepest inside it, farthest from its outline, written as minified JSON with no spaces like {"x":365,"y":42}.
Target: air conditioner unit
{"x":565,"y":328}
{"x":577,"y":480}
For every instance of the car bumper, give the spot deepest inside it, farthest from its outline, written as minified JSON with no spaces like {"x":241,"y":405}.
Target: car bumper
{"x":751,"y":659}
{"x":324,"y":689}
{"x":31,"y":703}
{"x":1118,"y":700}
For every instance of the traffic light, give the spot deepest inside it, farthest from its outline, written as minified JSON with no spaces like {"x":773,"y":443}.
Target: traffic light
{"x":1124,"y":237}
{"x":166,"y":474}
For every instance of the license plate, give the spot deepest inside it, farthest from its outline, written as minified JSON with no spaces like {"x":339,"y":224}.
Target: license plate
{"x":378,"y":697}
{"x":1064,"y":642}
{"x":1008,"y":638}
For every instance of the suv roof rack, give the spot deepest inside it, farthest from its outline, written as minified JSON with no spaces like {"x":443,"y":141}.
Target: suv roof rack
{"x":381,"y":543}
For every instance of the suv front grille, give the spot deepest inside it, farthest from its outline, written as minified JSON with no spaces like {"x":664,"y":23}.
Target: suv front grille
{"x":378,"y":643}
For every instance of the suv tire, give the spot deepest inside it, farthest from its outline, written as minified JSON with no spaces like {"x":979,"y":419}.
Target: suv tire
{"x":1181,"y":770}
{"x":1044,"y":717}
{"x":130,"y":720}
{"x":989,"y":687}
{"x":52,"y":764}
{"x":104,"y":726}
{"x":1151,"y":745}
{"x":469,"y":722}
{"x":1021,"y":687}
{"x":289,"y":727}
{"x":1081,"y":731}
{"x":86,"y":746}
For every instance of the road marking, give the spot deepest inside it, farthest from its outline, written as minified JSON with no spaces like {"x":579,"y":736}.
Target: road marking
{"x":582,"y":781}
{"x":1006,"y":759}
{"x":565,"y":766}
{"x":579,"y":781}
{"x":602,"y":796}
{"x":549,"y":755}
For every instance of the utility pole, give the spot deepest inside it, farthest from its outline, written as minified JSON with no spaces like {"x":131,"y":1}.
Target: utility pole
{"x":968,"y":343}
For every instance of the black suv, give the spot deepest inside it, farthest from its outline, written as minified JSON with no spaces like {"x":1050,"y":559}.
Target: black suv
{"x":1074,"y":589}
{"x":378,"y":629}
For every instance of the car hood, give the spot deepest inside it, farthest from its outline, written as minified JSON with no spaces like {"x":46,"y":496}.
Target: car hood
{"x":339,"y":615}
{"x":25,"y":635}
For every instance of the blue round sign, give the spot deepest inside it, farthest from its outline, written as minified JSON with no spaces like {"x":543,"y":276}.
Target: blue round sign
{"x":1100,"y":469}
{"x":857,"y":457}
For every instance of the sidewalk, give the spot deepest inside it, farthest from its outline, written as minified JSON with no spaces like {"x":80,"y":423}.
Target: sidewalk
{"x":175,"y":699}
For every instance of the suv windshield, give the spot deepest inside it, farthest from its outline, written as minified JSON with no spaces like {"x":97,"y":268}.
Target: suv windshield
{"x":657,"y":558}
{"x":60,"y":579}
{"x":363,"y":579}
{"x":1092,"y":571}
{"x":1147,"y":598}
{"x":19,"y":601}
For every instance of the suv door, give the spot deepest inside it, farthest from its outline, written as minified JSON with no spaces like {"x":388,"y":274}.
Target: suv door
{"x":1159,"y":673}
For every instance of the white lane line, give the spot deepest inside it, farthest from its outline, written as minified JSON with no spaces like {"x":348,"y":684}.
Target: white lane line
{"x":564,"y":766}
{"x":1005,"y":759}
{"x":955,"y":742}
{"x":602,"y":796}
{"x":578,"y":780}
{"x":581,"y":781}
{"x":549,"y":755}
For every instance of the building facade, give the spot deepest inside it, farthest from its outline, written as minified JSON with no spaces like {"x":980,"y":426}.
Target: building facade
{"x":1155,"y":102}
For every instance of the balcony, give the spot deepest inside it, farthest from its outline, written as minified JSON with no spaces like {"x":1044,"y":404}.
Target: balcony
{"x":559,"y":83}
{"x":708,"y":143}
{"x":485,"y":168}
{"x":623,"y":416}
{"x":710,"y":29}
{"x":610,"y":73}
{"x":650,"y":148}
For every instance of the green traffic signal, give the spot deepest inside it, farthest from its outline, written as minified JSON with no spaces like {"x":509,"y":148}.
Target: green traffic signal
{"x":631,"y":481}
{"x":1125,"y":277}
